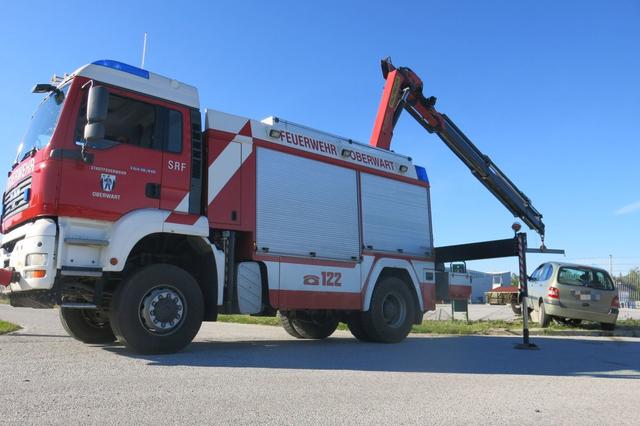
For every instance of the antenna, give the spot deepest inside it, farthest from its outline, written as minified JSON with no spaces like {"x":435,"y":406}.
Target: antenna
{"x":144,"y":50}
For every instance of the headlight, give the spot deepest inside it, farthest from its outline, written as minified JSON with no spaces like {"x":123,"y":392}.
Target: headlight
{"x":36,"y":259}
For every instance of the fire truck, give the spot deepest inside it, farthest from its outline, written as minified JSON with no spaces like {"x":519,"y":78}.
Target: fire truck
{"x":140,"y":216}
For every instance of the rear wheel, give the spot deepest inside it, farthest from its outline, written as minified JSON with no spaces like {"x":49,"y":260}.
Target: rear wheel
{"x":287,"y":324}
{"x":318,"y":325}
{"x":158,"y":309}
{"x":545,"y":319}
{"x":87,"y":325}
{"x":391,"y":312}
{"x":516,"y":308}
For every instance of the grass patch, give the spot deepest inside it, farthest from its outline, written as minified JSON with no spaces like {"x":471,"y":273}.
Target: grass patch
{"x":7,"y":327}
{"x":4,"y":300}
{"x":458,"y":327}
{"x":462,"y":327}
{"x":246,"y":319}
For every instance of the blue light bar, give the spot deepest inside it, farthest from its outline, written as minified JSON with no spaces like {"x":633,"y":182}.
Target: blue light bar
{"x":109,"y":63}
{"x":422,"y":174}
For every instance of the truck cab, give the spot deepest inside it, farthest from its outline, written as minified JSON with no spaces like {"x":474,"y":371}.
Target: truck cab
{"x":59,"y":179}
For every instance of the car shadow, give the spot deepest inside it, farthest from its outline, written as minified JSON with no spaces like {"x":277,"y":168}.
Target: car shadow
{"x":463,"y":354}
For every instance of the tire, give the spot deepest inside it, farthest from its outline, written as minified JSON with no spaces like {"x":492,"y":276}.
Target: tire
{"x":287,"y":324}
{"x":607,"y":326}
{"x":517,"y":309}
{"x":136,"y":321}
{"x":87,"y":325}
{"x":356,"y":327}
{"x":391,"y":312}
{"x":544,"y":319}
{"x":320,"y":327}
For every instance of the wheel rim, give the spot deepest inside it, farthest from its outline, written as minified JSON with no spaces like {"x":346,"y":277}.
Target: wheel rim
{"x":394,"y":310}
{"x":162,"y":310}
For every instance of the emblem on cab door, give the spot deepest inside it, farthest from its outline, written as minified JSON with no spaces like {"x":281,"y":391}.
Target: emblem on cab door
{"x":107,"y":182}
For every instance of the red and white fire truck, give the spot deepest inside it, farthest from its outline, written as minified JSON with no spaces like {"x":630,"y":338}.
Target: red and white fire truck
{"x":140,"y":221}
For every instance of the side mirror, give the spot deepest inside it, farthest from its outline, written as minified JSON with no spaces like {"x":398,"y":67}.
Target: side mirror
{"x":97,"y":107}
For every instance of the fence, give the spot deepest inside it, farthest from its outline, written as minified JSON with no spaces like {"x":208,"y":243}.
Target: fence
{"x":629,"y":290}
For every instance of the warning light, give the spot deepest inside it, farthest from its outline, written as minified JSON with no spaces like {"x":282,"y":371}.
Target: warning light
{"x":516,"y":226}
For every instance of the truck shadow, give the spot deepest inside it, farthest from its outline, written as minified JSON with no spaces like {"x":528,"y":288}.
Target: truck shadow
{"x":464,"y":355}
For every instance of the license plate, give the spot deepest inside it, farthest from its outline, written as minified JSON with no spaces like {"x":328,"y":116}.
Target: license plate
{"x":585,"y":296}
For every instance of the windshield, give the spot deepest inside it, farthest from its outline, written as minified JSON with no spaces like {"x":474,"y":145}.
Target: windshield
{"x":585,"y":277}
{"x":43,"y":123}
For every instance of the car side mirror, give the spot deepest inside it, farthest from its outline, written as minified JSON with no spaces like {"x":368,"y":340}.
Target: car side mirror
{"x":97,"y":107}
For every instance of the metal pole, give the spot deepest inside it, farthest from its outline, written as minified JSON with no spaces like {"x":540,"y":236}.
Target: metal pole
{"x":144,"y":50}
{"x":611,"y":265}
{"x":524,"y":292}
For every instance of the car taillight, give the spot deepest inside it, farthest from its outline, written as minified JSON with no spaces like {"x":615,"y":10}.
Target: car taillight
{"x":554,"y":293}
{"x":615,"y":302}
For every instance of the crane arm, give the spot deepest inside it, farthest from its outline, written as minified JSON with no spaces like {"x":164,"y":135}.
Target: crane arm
{"x":403,"y":91}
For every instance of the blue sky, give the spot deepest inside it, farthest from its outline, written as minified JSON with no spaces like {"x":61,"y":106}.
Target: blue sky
{"x":549,"y":90}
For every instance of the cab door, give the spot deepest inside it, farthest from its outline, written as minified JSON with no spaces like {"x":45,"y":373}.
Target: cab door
{"x":124,"y":169}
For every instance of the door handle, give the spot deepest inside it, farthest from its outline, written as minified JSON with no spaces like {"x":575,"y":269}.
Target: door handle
{"x":152,"y":190}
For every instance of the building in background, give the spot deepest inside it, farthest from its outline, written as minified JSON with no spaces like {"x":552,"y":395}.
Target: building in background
{"x":482,"y":282}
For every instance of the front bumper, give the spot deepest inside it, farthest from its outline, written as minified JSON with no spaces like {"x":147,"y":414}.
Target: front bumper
{"x":27,"y":257}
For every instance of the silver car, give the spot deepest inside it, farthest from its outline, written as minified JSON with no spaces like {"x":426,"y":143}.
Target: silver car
{"x":573,"y":293}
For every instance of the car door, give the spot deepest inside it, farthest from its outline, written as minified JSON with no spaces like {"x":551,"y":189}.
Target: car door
{"x":533,"y":286}
{"x":122,"y":169}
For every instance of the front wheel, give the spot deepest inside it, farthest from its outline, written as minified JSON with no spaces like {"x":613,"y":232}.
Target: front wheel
{"x":87,"y":325}
{"x":158,"y":309}
{"x":391,"y":312}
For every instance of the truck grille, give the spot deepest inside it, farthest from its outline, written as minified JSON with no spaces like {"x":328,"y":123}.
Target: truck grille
{"x":17,"y":199}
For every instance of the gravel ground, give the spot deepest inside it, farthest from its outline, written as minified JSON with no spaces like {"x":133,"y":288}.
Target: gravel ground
{"x":246,"y":374}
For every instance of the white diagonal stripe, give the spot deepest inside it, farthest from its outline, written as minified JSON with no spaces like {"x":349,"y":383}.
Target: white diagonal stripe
{"x":224,"y":167}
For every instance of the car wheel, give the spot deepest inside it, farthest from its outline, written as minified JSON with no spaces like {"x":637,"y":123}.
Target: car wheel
{"x":87,"y":325}
{"x":390,"y":313}
{"x":544,"y":319}
{"x":158,"y":309}
{"x":516,"y":308}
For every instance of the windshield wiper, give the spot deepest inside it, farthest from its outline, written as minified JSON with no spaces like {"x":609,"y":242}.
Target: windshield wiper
{"x":29,"y":153}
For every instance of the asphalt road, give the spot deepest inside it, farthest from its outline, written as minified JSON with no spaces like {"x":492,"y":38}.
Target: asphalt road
{"x":246,"y":374}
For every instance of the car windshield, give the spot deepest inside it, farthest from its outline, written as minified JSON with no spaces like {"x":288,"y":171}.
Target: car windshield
{"x":586,"y":277}
{"x":43,"y":123}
